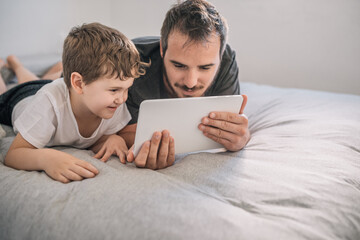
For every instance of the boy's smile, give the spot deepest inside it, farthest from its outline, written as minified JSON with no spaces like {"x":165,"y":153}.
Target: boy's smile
{"x":101,"y":98}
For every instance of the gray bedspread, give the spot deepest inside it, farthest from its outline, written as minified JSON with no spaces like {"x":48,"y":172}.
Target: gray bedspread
{"x":298,"y":178}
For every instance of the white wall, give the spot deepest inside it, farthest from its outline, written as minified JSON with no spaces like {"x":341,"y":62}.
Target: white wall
{"x":311,"y":44}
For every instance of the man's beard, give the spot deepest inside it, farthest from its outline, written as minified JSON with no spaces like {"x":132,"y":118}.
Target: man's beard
{"x":171,"y":90}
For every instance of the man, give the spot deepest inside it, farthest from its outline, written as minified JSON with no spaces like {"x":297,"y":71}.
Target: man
{"x":191,"y":59}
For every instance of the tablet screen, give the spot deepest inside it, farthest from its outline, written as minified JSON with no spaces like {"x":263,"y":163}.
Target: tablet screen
{"x":181,"y":116}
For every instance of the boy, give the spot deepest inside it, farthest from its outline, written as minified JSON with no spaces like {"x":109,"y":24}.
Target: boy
{"x":84,"y":109}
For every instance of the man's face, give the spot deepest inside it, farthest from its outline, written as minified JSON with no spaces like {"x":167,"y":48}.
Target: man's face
{"x":190,"y":69}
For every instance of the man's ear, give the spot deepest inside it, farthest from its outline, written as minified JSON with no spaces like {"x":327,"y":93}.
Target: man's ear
{"x":161,"y":50}
{"x":77,"y":82}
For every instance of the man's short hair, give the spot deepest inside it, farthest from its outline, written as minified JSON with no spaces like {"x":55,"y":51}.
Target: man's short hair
{"x":95,"y":50}
{"x":197,"y":19}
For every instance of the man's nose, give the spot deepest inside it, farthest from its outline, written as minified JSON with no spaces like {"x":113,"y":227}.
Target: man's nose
{"x":191,"y":78}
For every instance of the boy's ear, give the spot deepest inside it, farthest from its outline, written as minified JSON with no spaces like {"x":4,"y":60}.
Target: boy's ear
{"x":77,"y":82}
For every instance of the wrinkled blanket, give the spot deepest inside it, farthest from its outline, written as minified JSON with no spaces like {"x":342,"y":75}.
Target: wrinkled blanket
{"x":297,"y":178}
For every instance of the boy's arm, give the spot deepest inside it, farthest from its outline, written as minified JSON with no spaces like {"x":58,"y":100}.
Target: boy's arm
{"x":58,"y":165}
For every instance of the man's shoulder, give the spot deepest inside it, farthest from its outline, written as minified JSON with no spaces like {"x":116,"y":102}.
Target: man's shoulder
{"x":229,"y":53}
{"x":146,"y":40}
{"x":147,"y":46}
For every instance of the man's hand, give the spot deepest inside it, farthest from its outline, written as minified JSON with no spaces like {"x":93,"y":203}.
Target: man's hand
{"x":229,"y":129}
{"x":157,"y":153}
{"x":113,"y":145}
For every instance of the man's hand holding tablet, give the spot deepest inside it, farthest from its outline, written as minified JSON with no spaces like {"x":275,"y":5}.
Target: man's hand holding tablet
{"x":218,"y":118}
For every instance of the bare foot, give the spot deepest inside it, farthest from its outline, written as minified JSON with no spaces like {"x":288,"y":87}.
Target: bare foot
{"x":2,"y":83}
{"x":22,"y":73}
{"x":54,"y":72}
{"x":2,"y":63}
{"x":13,"y":62}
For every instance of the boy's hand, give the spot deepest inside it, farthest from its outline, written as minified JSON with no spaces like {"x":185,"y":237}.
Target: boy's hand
{"x":58,"y":165}
{"x":157,"y":153}
{"x":64,"y":168}
{"x":114,"y":145}
{"x":229,"y":129}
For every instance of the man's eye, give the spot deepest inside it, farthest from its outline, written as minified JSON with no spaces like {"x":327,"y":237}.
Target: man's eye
{"x":179,"y":66}
{"x":205,"y":68}
{"x":113,"y":90}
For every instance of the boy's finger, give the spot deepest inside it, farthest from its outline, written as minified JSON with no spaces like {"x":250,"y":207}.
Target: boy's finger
{"x":121,"y":156}
{"x":72,"y":175}
{"x":87,"y":166}
{"x":99,"y":153}
{"x":83,"y":172}
{"x":106,"y":156}
{"x":62,"y":178}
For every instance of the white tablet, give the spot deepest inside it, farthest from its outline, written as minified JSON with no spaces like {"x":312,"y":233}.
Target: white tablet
{"x":181,"y":116}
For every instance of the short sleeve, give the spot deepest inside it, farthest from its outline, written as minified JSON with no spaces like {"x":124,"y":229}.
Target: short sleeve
{"x":37,"y":124}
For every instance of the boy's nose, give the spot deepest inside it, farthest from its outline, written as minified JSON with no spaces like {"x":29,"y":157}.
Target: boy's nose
{"x":119,"y":100}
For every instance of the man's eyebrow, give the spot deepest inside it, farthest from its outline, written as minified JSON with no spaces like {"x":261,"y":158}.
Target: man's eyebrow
{"x":206,"y":65}
{"x":175,"y":62}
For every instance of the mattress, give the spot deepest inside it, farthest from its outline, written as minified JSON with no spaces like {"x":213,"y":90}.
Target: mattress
{"x":297,"y":178}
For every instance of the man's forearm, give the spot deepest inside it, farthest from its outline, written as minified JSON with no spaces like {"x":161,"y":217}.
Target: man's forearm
{"x":128,"y":134}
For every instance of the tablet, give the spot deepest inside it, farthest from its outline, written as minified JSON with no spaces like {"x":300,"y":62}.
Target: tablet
{"x":181,"y":116}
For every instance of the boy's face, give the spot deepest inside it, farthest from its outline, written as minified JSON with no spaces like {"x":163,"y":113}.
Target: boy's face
{"x":103,"y":96}
{"x":190,"y":69}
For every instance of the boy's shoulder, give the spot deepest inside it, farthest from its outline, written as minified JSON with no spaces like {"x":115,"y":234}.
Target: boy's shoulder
{"x":56,"y":84}
{"x":56,"y":91}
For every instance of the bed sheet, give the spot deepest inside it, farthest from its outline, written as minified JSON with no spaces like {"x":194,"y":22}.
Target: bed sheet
{"x":297,"y":178}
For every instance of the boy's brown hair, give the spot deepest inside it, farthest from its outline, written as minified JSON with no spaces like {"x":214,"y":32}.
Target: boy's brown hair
{"x":95,"y":50}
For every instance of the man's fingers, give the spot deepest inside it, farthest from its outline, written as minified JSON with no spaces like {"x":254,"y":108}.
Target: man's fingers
{"x":230,"y":117}
{"x":243,"y":105}
{"x":171,"y":154}
{"x":140,"y":160}
{"x":153,"y":153}
{"x":164,"y":150}
{"x":218,"y":125}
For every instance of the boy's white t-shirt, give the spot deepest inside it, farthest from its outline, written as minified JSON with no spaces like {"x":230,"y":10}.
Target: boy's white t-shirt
{"x":47,"y":119}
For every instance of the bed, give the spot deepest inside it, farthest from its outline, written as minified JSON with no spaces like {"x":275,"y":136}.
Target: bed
{"x":297,"y":178}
